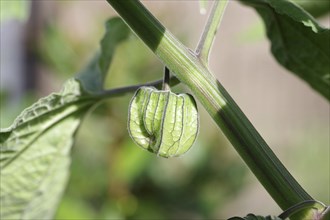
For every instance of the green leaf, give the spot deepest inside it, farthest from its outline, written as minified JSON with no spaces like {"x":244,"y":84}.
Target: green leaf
{"x":163,"y":122}
{"x":298,"y":42}
{"x":316,"y":8}
{"x":255,"y":217}
{"x":17,"y":9}
{"x":35,"y":149}
{"x":116,"y":32}
{"x":34,"y":154}
{"x":326,"y":214}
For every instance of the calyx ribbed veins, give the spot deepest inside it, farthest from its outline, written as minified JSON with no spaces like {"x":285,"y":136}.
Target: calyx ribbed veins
{"x":163,"y":122}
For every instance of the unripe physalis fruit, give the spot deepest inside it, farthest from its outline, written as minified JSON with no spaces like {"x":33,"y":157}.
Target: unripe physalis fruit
{"x":163,"y":122}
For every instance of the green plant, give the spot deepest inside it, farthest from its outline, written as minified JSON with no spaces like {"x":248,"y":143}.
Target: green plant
{"x":43,"y":134}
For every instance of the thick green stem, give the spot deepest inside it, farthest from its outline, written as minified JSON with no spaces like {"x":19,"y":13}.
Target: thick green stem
{"x":189,"y":70}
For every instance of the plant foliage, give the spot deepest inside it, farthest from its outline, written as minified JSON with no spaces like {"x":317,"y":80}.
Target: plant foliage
{"x":298,"y":42}
{"x":35,"y":149}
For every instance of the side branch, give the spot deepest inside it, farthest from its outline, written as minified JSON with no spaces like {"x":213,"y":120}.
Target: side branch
{"x":206,"y":41}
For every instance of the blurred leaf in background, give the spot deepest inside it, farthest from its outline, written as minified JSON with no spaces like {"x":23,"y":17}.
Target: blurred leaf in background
{"x":17,"y":9}
{"x":57,"y":51}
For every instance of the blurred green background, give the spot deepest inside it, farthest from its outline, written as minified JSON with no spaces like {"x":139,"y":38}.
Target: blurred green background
{"x":112,"y":178}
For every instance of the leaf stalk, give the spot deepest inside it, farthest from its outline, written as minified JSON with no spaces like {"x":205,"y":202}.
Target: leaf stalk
{"x":173,"y":81}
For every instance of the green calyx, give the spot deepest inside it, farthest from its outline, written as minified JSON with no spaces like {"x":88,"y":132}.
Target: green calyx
{"x":163,"y":122}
